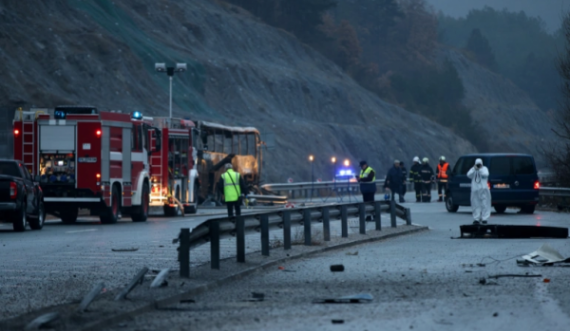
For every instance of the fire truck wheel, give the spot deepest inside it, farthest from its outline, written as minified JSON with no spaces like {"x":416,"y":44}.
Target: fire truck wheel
{"x":193,"y":209}
{"x":110,"y":215}
{"x":140,"y":213}
{"x":69,"y":216}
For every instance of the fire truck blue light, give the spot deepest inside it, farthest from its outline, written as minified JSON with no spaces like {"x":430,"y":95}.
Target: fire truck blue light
{"x":137,"y":115}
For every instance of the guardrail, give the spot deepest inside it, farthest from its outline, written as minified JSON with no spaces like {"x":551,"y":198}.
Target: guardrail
{"x":555,"y":192}
{"x":213,"y":230}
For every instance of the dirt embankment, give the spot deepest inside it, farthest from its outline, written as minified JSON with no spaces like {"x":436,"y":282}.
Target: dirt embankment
{"x":241,"y":72}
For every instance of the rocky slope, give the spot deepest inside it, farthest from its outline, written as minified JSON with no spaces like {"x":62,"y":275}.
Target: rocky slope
{"x":507,"y":116}
{"x":241,"y":72}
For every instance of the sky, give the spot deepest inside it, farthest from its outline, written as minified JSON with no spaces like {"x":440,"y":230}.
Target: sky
{"x":549,"y":10}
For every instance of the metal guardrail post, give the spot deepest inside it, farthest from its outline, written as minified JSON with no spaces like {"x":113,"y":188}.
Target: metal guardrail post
{"x":184,"y":252}
{"x":393,"y":213}
{"x":377,"y":215}
{"x":408,"y":214}
{"x":307,"y":226}
{"x":344,"y":221}
{"x":326,"y":224}
{"x":215,"y":244}
{"x":265,"y":235}
{"x":362,"y":217}
{"x":287,"y":229}
{"x":240,"y":239}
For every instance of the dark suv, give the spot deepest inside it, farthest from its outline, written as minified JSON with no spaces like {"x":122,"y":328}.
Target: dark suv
{"x":513,"y":181}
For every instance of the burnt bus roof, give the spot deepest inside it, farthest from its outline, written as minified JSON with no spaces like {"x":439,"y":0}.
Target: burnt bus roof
{"x":210,"y":125}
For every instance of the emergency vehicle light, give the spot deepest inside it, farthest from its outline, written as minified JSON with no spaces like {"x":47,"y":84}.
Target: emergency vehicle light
{"x":98,"y":175}
{"x":137,"y":115}
{"x":16,"y":132}
{"x":98,"y":133}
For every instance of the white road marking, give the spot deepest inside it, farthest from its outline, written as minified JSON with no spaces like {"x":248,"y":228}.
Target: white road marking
{"x":79,"y":231}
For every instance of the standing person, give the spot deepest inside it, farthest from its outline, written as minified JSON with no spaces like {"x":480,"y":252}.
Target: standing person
{"x":404,"y":177}
{"x":442,"y":175}
{"x":416,"y":179}
{"x":426,"y":177}
{"x":367,"y":180}
{"x":480,"y":193}
{"x":394,"y":180}
{"x":233,"y":188}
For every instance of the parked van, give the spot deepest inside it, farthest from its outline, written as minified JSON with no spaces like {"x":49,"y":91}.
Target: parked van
{"x":513,"y":180}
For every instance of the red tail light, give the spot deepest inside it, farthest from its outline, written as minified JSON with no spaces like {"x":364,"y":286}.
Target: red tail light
{"x":13,"y":190}
{"x":98,"y":176}
{"x":16,"y":132}
{"x":98,"y":133}
{"x":537,"y":185}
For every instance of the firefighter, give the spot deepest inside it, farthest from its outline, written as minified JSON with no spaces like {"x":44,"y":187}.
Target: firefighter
{"x":442,"y":175}
{"x":416,"y":179}
{"x":233,"y":188}
{"x":426,"y":177}
{"x":367,"y":180}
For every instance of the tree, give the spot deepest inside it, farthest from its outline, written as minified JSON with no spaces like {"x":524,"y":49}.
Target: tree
{"x":480,"y":47}
{"x":559,"y":156}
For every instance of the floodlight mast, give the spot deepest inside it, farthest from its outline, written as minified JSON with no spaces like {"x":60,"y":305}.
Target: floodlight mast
{"x":161,"y":67}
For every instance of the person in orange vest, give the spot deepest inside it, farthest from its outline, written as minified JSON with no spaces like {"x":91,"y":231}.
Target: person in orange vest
{"x":442,"y":175}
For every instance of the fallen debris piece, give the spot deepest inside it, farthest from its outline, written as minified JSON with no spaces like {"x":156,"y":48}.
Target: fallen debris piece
{"x":352,"y":253}
{"x":42,"y":321}
{"x":134,"y":282}
{"x":544,"y":256}
{"x":188,"y":301}
{"x":515,"y":275}
{"x":357,"y":298}
{"x":337,"y":268}
{"x":160,"y":279}
{"x":132,"y":249}
{"x":95,"y":291}
{"x":337,"y":321}
{"x":512,"y":231}
{"x":495,"y":314}
{"x":546,"y":280}
{"x":256,"y":297}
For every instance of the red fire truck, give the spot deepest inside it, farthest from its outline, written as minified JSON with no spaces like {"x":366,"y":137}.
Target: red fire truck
{"x":86,"y":158}
{"x":174,"y":178}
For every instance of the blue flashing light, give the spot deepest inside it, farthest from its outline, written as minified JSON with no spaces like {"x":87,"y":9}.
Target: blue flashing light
{"x":342,"y":172}
{"x":137,"y":115}
{"x":60,"y":115}
{"x":349,"y":172}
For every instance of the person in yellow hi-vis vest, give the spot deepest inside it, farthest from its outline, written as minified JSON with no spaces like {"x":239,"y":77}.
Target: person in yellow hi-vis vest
{"x":233,"y":188}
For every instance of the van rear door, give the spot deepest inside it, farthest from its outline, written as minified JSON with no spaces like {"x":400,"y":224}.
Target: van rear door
{"x":526,"y":178}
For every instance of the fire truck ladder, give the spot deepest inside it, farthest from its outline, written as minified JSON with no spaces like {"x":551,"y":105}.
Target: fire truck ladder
{"x":156,"y":163}
{"x":28,"y":138}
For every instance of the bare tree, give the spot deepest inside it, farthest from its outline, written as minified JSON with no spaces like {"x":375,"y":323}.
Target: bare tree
{"x":559,"y":156}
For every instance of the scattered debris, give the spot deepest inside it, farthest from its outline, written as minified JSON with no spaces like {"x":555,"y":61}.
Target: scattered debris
{"x":285,"y":270}
{"x":357,"y":298}
{"x":515,"y":275}
{"x":352,"y":253}
{"x":256,"y":297}
{"x":137,"y":280}
{"x":544,"y":256}
{"x":160,"y":280}
{"x":337,"y":267}
{"x":95,"y":291}
{"x":512,"y":231}
{"x":495,"y":314}
{"x":132,"y":249}
{"x":469,"y":271}
{"x":42,"y":321}
{"x":484,"y":281}
{"x":481,"y":265}
{"x":337,"y":321}
{"x":546,"y":280}
{"x":188,"y":301}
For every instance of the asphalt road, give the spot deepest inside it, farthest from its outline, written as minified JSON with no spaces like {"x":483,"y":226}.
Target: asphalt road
{"x":426,"y":281}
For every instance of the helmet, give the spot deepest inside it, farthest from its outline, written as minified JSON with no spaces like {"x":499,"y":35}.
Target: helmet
{"x":442,"y":158}
{"x":417,"y":159}
{"x":396,"y":161}
{"x":425,"y":160}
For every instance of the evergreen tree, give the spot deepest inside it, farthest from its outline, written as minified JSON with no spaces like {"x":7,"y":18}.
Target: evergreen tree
{"x":480,"y":47}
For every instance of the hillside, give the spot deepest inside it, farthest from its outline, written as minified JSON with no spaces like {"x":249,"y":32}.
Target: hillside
{"x":506,"y":114}
{"x":242,"y":72}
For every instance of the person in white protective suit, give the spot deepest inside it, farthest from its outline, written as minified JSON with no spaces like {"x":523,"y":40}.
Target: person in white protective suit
{"x":480,"y":193}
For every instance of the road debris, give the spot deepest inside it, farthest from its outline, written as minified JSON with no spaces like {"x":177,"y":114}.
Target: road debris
{"x":357,"y":298}
{"x":188,"y":301}
{"x":544,"y":256}
{"x":95,"y":291}
{"x":337,"y":321}
{"x":352,"y":253}
{"x":515,"y":275}
{"x":132,"y":249}
{"x":337,"y":268}
{"x":546,"y":280}
{"x":256,"y":297}
{"x":42,"y":322}
{"x":137,"y":280}
{"x":160,"y":280}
